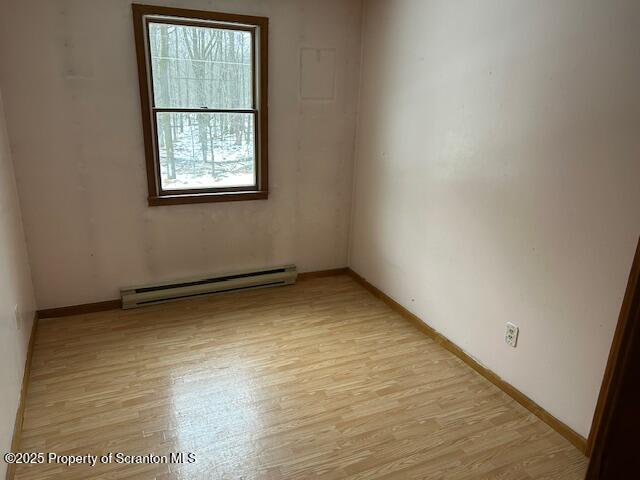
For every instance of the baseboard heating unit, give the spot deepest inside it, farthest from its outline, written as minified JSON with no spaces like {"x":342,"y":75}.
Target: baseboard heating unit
{"x":133,"y":297}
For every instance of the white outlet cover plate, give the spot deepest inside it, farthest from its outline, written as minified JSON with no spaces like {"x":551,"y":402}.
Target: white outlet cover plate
{"x":511,"y":334}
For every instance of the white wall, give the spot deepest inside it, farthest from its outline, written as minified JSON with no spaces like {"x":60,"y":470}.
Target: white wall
{"x":497,"y":170}
{"x":74,"y":121}
{"x":15,"y":290}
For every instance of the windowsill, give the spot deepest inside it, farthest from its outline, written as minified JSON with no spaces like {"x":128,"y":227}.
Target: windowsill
{"x":208,"y":198}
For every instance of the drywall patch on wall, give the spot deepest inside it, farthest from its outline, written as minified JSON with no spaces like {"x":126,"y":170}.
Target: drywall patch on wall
{"x":317,"y":73}
{"x":76,"y":34}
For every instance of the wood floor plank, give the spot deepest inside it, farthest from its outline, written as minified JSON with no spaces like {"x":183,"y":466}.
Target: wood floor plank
{"x":316,"y":380}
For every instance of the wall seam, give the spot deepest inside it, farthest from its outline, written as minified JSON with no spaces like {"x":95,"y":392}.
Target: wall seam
{"x":356,"y":135}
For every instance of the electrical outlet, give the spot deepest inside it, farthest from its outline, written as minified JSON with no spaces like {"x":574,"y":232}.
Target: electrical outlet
{"x":511,"y":334}
{"x":17,"y":316}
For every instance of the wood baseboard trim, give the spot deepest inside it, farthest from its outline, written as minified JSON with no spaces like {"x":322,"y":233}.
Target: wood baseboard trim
{"x":575,"y":438}
{"x":322,"y":273}
{"x":80,"y":309}
{"x":17,"y":428}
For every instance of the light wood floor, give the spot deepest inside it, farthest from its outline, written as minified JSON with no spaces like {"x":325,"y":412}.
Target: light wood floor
{"x":317,"y":380}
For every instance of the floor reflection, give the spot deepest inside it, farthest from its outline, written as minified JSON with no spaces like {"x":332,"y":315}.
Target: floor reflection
{"x":215,"y":414}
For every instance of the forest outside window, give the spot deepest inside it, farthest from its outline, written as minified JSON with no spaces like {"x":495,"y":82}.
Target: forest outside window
{"x":203,"y":87}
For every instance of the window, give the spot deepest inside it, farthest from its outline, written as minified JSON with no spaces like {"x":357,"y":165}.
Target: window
{"x":203,"y":89}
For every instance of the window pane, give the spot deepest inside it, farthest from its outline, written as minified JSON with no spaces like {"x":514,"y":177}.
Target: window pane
{"x":206,"y":150}
{"x":200,"y":67}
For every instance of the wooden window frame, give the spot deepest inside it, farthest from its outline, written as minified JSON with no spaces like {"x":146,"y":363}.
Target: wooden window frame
{"x":259,"y":28}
